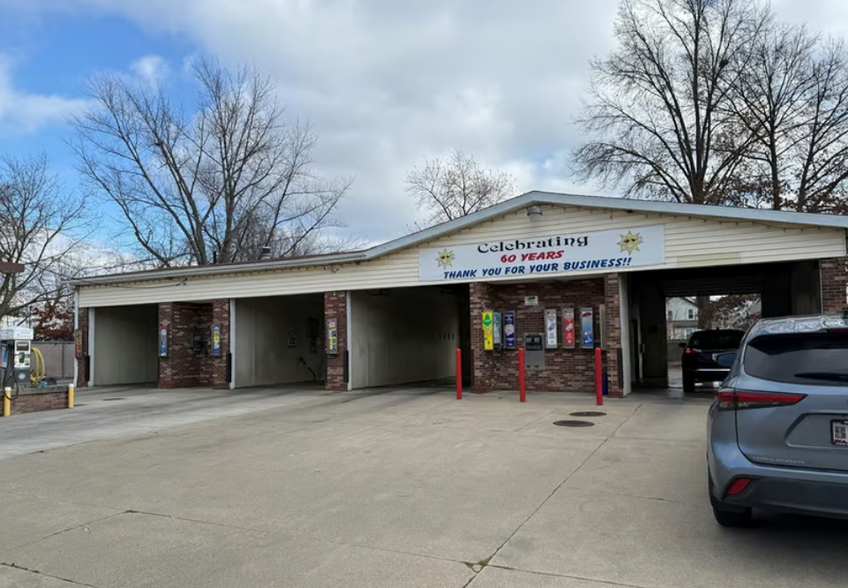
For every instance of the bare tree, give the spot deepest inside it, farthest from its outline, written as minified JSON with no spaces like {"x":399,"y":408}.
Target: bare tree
{"x":793,"y":98}
{"x":39,"y":228}
{"x":456,"y":186}
{"x":657,"y":106}
{"x":819,"y":179}
{"x":769,"y":100}
{"x":217,"y":183}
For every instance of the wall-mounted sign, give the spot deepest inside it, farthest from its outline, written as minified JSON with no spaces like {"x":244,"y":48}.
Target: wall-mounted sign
{"x":216,"y":340}
{"x":332,"y":336}
{"x":163,"y":342}
{"x":531,"y":301}
{"x":594,"y":251}
{"x":292,"y":339}
{"x":78,"y":343}
{"x":498,"y":329}
{"x":509,"y":329}
{"x":551,"y":328}
{"x":587,"y":327}
{"x":568,"y":339}
{"x":488,"y":331}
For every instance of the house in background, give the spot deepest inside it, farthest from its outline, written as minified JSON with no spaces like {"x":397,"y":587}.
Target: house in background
{"x":681,"y":318}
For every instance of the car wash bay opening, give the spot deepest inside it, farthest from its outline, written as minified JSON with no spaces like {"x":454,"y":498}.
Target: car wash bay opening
{"x":556,"y":274}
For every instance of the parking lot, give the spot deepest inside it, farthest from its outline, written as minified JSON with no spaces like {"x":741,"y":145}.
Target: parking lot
{"x":394,"y":488}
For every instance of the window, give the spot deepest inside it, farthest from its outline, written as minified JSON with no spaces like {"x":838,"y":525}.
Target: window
{"x":671,"y":315}
{"x":690,"y":314}
{"x":817,"y":358}
{"x":717,"y":339}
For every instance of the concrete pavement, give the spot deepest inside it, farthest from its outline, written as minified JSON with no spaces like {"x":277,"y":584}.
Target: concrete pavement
{"x":397,"y":488}
{"x":107,"y":413}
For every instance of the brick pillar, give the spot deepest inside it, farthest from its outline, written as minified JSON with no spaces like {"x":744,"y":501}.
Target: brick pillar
{"x":184,"y":366}
{"x":82,"y":358}
{"x":221,"y":366}
{"x":485,"y":373}
{"x":167,"y":365}
{"x":612,"y":309}
{"x":834,"y":280}
{"x":335,"y":308}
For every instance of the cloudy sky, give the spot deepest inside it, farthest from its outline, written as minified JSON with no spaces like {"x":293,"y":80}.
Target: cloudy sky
{"x":385,"y":83}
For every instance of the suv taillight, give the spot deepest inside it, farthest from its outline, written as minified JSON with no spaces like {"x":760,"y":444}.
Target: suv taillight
{"x":730,"y":399}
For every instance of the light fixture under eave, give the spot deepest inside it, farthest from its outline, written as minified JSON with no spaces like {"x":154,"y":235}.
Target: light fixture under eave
{"x":534,"y":210}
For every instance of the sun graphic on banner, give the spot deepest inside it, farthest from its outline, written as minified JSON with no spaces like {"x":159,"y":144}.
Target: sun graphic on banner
{"x":445,"y":258}
{"x":630,"y":242}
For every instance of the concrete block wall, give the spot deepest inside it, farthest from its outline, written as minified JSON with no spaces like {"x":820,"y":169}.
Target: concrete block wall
{"x":567,"y":370}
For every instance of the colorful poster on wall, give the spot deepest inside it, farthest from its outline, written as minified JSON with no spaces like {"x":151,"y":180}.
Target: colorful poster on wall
{"x":332,"y":336}
{"x":78,"y":343}
{"x":498,"y":329}
{"x":587,"y":327}
{"x":488,"y":331}
{"x":163,"y":342}
{"x":545,"y":255}
{"x":568,"y":338}
{"x":216,"y":340}
{"x":509,"y":329}
{"x":551,"y":328}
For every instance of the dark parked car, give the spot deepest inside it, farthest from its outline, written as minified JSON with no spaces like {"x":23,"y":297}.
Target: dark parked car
{"x":699,"y":356}
{"x":778,"y":429}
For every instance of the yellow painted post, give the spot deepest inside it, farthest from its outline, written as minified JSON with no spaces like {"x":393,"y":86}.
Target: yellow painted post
{"x":70,"y":395}
{"x":7,"y":402}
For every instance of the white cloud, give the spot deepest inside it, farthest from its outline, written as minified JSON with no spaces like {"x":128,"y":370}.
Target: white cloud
{"x":388,"y":83}
{"x":150,"y":69}
{"x":22,"y":113}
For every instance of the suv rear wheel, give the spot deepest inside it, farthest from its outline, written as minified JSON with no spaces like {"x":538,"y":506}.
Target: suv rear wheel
{"x":726,"y":515}
{"x":732,"y":518}
{"x":688,"y":382}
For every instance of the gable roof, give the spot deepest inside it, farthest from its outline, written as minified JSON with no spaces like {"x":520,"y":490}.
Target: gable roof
{"x":505,"y":207}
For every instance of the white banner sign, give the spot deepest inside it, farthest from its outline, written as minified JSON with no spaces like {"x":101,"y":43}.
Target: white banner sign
{"x":597,"y":251}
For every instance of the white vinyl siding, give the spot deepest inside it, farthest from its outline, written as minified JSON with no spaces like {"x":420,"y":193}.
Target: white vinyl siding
{"x":689,"y":241}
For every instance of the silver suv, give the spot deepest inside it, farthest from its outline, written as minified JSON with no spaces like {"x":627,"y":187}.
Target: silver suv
{"x":778,"y":428}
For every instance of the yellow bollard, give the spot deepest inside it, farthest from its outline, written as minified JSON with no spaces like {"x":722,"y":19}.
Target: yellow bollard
{"x":70,"y":395}
{"x":7,"y":402}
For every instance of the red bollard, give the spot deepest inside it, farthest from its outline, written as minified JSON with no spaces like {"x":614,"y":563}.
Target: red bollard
{"x":522,"y":388}
{"x":458,"y":374}
{"x":599,"y":382}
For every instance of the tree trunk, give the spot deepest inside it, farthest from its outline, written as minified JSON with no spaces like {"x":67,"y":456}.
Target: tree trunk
{"x":704,"y":321}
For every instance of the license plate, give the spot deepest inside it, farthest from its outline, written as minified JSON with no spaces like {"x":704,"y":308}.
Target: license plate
{"x":839,"y":430}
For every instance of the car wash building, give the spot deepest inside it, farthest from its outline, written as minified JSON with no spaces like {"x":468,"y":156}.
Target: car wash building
{"x":555,"y":274}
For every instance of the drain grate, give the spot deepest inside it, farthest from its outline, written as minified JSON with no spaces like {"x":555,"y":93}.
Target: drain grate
{"x":112,"y":399}
{"x":574,"y":424}
{"x":589,"y":413}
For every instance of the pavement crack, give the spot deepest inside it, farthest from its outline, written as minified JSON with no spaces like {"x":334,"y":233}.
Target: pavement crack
{"x":198,"y":521}
{"x":534,"y":421}
{"x":40,"y":573}
{"x":569,"y":576}
{"x":69,"y":529}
